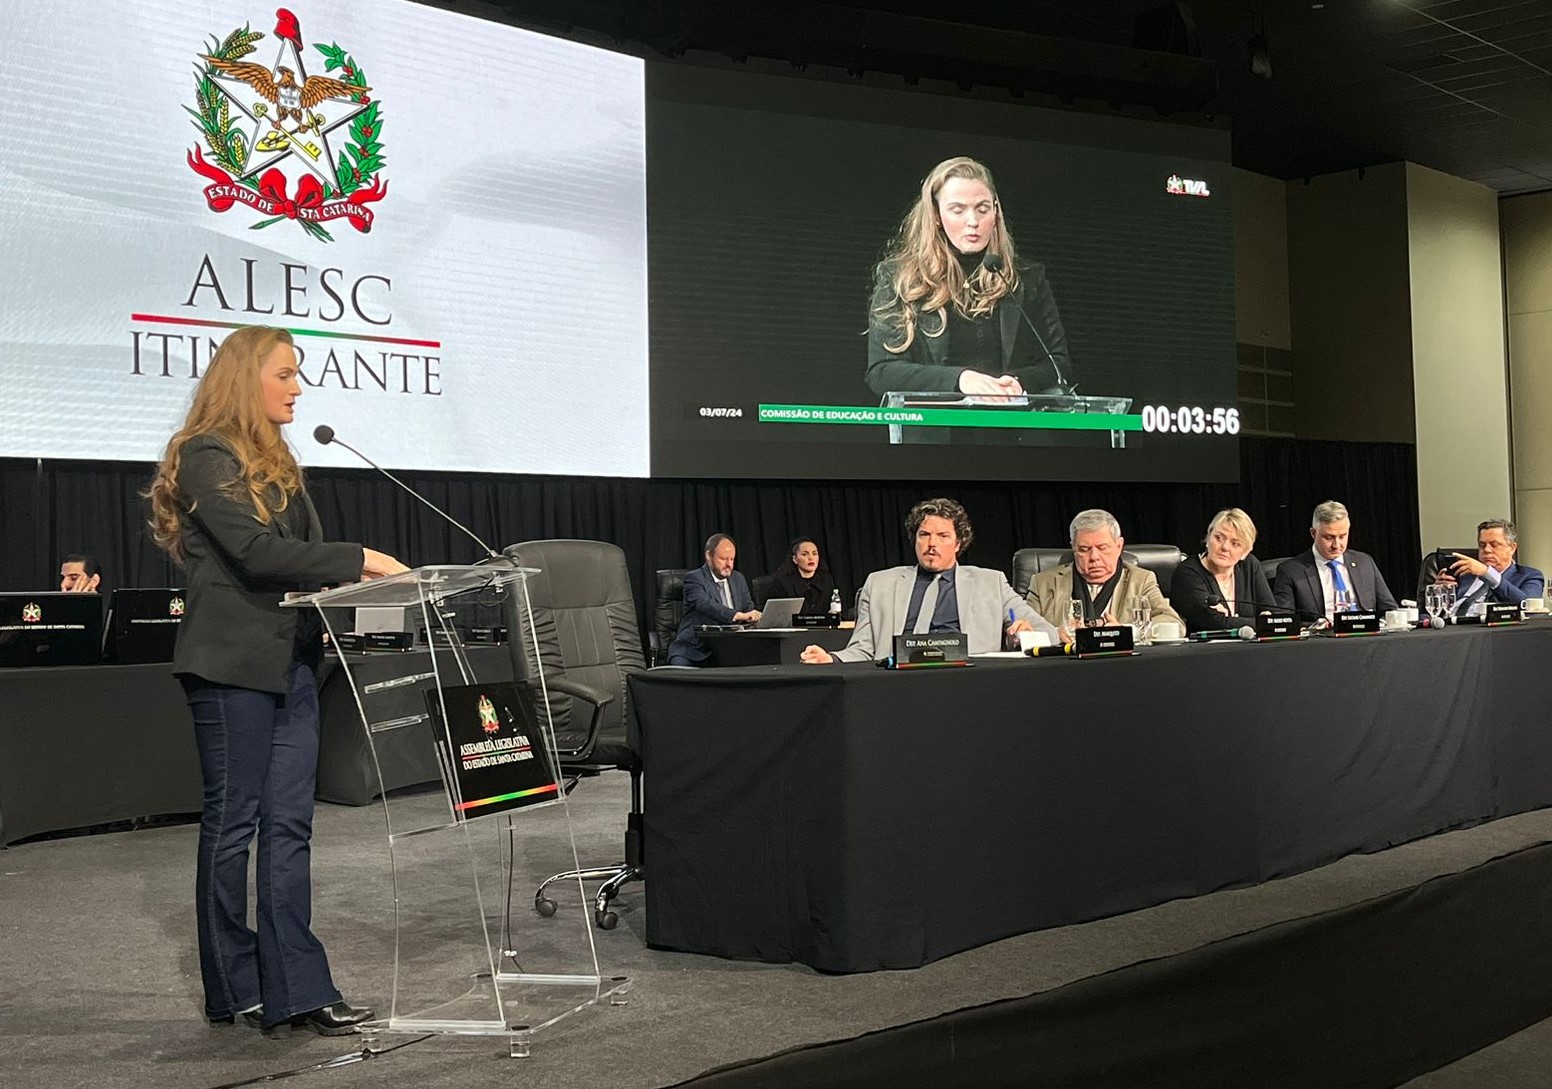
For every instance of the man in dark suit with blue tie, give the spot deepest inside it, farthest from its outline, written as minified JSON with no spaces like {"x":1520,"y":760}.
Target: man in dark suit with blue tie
{"x":1492,"y":575}
{"x":1313,"y":582}
{"x":713,"y":594}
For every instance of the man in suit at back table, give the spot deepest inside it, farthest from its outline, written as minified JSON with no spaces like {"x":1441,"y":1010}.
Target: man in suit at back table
{"x":713,"y":594}
{"x":1309,"y":582}
{"x":935,"y":594}
{"x":1493,"y":575}
{"x":1106,"y":586}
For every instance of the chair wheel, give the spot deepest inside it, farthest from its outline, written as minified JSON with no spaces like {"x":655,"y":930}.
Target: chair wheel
{"x":545,"y":906}
{"x":607,"y":920}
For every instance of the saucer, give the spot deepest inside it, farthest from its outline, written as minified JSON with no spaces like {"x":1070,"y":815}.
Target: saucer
{"x":1168,"y":642}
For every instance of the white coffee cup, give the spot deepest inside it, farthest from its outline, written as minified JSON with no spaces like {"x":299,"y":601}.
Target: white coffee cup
{"x":1029,"y":639}
{"x":1166,"y":631}
{"x":1396,"y":618}
{"x":1535,"y":605}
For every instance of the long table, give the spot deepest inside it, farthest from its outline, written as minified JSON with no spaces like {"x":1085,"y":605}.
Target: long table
{"x":852,"y":818}
{"x":88,"y":745}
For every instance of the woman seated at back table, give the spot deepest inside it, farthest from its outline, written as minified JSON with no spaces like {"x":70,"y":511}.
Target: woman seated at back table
{"x":1224,"y":583}
{"x":802,"y":576}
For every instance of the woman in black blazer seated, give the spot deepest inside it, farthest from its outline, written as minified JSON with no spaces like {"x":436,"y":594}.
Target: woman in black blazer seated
{"x":1224,"y":581}
{"x":228,"y":504}
{"x":802,"y":576}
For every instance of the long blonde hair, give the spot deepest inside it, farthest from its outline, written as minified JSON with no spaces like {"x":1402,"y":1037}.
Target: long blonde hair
{"x":228,"y":405}
{"x":927,"y":276}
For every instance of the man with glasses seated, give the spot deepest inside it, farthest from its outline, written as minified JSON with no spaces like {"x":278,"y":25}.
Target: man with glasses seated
{"x":1493,"y":575}
{"x":1097,"y":587}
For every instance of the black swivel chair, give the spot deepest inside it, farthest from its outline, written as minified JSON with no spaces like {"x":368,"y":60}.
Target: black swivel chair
{"x":667,"y":611}
{"x":587,"y":639}
{"x":1269,"y":567}
{"x":1160,"y":559}
{"x":760,"y":589}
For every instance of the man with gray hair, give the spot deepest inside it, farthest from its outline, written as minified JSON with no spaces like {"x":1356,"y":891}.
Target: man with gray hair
{"x":1492,"y":575}
{"x":1314,"y":582}
{"x":1105,"y":585}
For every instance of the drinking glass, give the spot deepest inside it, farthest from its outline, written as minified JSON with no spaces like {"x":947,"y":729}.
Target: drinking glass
{"x":1142,"y":623}
{"x":1432,"y":600}
{"x":1342,"y":601}
{"x":1075,"y":614}
{"x":1447,"y":599}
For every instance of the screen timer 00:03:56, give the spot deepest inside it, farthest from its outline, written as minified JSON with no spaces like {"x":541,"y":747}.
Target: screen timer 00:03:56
{"x":1190,"y":420}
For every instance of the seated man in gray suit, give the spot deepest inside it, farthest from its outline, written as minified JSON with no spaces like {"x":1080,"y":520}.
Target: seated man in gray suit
{"x":1104,"y":585}
{"x":935,"y":594}
{"x":1309,"y":582}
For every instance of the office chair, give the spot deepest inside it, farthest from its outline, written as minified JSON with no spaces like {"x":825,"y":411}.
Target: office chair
{"x":1160,"y":559}
{"x":667,"y":612}
{"x":588,"y":641}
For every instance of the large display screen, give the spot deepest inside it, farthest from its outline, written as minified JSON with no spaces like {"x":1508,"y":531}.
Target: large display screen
{"x":778,"y":351}
{"x":448,"y":213}
{"x":456,"y":220}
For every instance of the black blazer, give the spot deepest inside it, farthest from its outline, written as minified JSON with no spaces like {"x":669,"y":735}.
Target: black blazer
{"x":1297,"y":585}
{"x":928,"y":364}
{"x":234,"y":630}
{"x":1193,"y":591}
{"x":815,"y":592}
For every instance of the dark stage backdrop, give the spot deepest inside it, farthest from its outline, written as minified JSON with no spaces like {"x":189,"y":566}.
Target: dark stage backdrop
{"x":51,"y":508}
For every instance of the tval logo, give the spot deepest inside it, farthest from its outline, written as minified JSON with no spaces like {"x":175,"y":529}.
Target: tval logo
{"x":1186,"y":187}
{"x":285,"y":144}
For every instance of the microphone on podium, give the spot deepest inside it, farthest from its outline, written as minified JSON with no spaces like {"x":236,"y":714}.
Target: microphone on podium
{"x":993,"y":263}
{"x":325,"y":435}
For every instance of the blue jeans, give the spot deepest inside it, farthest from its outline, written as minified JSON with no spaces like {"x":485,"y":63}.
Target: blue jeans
{"x":258,"y":753}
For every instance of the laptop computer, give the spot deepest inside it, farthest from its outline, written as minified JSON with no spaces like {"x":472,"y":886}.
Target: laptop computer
{"x":779,"y":611}
{"x":50,"y":628}
{"x":142,"y":625}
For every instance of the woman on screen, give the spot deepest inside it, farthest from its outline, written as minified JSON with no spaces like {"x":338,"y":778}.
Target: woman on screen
{"x":803,"y":576}
{"x":1225,"y":581}
{"x":954,"y":308}
{"x":228,"y":504}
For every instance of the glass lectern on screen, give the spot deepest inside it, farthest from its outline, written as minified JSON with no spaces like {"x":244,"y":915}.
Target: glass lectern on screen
{"x":804,"y":321}
{"x":448,"y":213}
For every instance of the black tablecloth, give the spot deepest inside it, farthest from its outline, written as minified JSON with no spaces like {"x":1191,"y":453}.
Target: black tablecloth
{"x":853,"y":818}
{"x":85,"y":745}
{"x":88,"y":745}
{"x":770,"y":646}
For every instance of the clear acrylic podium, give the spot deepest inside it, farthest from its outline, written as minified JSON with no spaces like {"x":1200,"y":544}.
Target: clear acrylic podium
{"x":1070,"y":404}
{"x":462,"y":964}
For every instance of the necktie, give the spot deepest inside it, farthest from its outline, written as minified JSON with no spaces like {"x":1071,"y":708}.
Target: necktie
{"x":727,"y":595}
{"x":1338,"y":579}
{"x":929,"y":605}
{"x":1478,"y":592}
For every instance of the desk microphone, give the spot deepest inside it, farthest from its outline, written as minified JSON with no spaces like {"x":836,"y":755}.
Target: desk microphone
{"x":325,"y":435}
{"x":1247,"y":633}
{"x":993,"y":263}
{"x":1058,"y":651}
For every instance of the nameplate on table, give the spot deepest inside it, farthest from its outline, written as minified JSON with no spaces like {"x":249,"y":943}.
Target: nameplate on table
{"x":495,"y":634}
{"x":914,"y":651}
{"x":816,"y":620}
{"x":1276,"y":627}
{"x":389,"y":640}
{"x":1356,"y":623}
{"x":1103,"y":642}
{"x":1496,"y":613}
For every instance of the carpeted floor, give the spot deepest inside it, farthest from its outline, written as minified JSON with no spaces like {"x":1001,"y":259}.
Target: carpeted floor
{"x":99,"y":978}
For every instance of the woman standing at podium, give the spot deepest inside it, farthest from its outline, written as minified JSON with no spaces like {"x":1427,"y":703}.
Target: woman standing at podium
{"x":228,"y":503}
{"x":953,"y":307}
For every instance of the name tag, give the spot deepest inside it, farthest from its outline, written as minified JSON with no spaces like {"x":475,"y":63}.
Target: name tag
{"x":944,"y":648}
{"x":1103,"y":642}
{"x":1497,"y":613}
{"x":1276,"y":627}
{"x":1356,"y":623}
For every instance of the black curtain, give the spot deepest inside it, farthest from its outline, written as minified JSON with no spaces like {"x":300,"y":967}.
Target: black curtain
{"x":52,"y":508}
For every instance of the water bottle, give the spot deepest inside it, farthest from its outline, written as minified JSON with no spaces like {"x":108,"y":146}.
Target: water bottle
{"x":835,"y":606}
